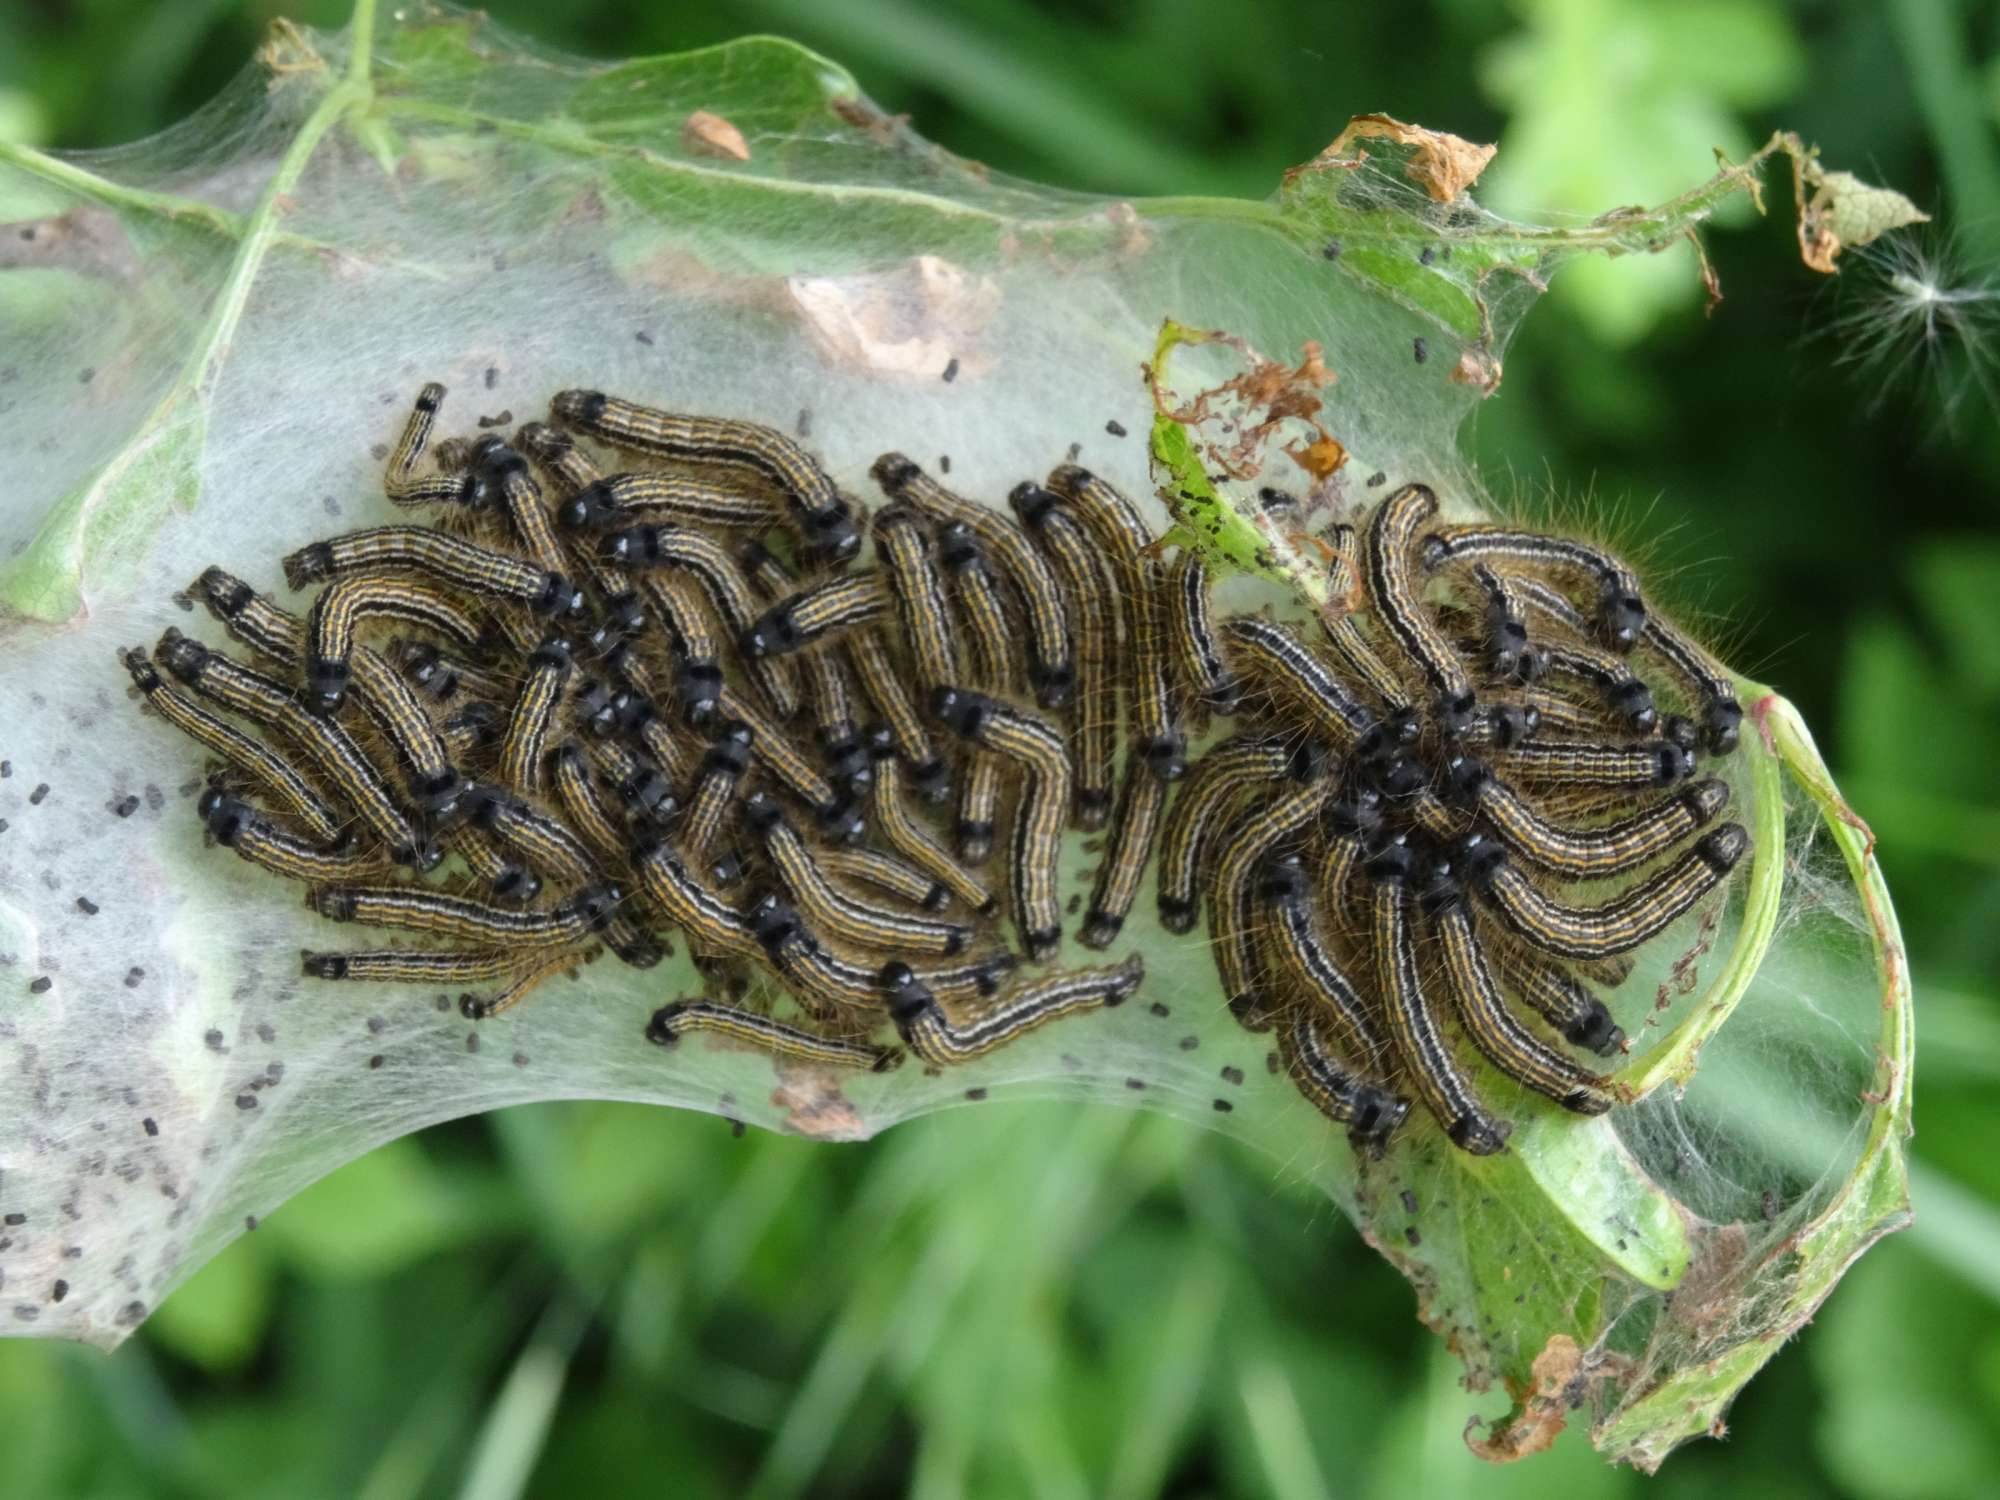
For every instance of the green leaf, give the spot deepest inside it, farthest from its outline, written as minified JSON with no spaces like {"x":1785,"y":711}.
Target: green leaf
{"x":1869,"y":1199}
{"x":366,"y":211}
{"x":1859,"y":212}
{"x":157,"y":471}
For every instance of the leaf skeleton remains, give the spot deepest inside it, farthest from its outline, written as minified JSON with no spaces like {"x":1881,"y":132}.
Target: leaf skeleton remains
{"x":599,"y":700}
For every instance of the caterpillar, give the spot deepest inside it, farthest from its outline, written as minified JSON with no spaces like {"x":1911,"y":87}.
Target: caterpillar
{"x":662,"y":690}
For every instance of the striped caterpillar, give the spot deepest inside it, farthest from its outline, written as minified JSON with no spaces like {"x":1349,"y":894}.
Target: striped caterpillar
{"x":658,"y":690}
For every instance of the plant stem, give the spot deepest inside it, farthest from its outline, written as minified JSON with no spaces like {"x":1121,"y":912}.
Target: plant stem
{"x":86,"y":184}
{"x":361,"y":42}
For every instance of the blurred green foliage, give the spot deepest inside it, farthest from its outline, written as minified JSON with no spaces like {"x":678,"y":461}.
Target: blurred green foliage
{"x":1044,"y":1300}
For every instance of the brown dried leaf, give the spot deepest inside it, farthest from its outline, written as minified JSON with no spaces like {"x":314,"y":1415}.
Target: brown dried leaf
{"x":1559,"y":1375}
{"x":911,"y":320}
{"x":1843,"y":211}
{"x":863,"y":115}
{"x":1279,"y":392}
{"x":1442,"y":164}
{"x":1478,"y":369}
{"x":1321,"y":456}
{"x":814,"y":1107}
{"x":707,"y":134}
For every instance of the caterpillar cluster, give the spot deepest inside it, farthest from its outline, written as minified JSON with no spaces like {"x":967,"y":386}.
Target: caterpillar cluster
{"x":628,"y":701}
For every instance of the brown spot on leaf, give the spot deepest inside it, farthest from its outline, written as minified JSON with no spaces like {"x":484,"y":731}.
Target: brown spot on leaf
{"x":915,"y":319}
{"x":707,"y":134}
{"x":813,"y":1104}
{"x":1558,"y":1369}
{"x":886,"y":129}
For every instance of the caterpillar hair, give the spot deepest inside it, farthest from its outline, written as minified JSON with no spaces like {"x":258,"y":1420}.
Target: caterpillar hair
{"x":618,"y":499}
{"x":1246,"y":847}
{"x":462,"y":920}
{"x":236,"y":825}
{"x":401,"y":484}
{"x":1134,"y":832}
{"x":411,"y":965}
{"x":250,"y":693}
{"x":887,"y":873}
{"x":1036,"y":746}
{"x":715,"y":786}
{"x":481,"y":571}
{"x":882,"y":683}
{"x":909,"y":838}
{"x":524,"y":747}
{"x":721,"y":579}
{"x":839,"y":604}
{"x":1508,"y":1045}
{"x":1621,"y":611}
{"x":1192,"y":644}
{"x":1649,"y":763}
{"x":1587,"y":853}
{"x":1301,"y":948}
{"x":1217,"y":779}
{"x":989,"y":643}
{"x":841,"y":917}
{"x":506,"y":474}
{"x":1351,"y":643}
{"x":713,"y":926}
{"x":1371,"y":1113}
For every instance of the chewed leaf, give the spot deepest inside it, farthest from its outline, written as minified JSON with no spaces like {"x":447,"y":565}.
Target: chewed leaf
{"x":1844,"y":212}
{"x":739,"y":231}
{"x":1858,"y":212}
{"x":1443,"y":165}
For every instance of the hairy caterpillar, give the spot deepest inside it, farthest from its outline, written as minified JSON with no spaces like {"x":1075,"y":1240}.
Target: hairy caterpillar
{"x":1389,"y":844}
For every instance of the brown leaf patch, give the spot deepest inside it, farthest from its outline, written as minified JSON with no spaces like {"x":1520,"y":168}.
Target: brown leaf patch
{"x":707,"y":134}
{"x":1442,"y":164}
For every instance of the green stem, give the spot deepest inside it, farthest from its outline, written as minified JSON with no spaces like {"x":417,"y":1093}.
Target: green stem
{"x":1655,"y":229}
{"x":361,"y":41}
{"x":43,"y":580}
{"x":1194,"y":206}
{"x":116,"y":195}
{"x":218,"y":221}
{"x":261,"y":230}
